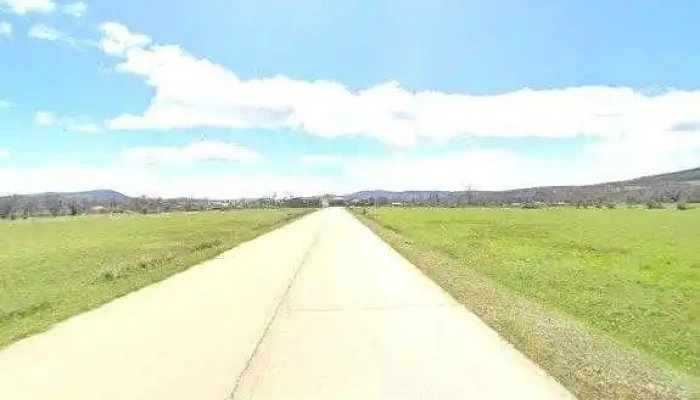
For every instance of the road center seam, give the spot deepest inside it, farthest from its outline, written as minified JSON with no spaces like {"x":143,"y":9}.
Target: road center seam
{"x":275,"y":313}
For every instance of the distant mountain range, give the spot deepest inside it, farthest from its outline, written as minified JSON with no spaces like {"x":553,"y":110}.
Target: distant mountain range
{"x":669,"y":187}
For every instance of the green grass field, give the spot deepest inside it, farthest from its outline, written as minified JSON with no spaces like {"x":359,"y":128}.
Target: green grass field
{"x":630,"y":274}
{"x":51,"y":269}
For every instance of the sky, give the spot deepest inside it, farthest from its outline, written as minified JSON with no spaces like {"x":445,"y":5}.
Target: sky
{"x":228,"y":98}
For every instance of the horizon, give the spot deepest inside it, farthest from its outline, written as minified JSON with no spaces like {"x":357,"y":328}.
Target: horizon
{"x":245,"y":99}
{"x":321,"y":194}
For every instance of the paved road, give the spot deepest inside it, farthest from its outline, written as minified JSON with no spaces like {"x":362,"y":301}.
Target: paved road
{"x":319,"y":309}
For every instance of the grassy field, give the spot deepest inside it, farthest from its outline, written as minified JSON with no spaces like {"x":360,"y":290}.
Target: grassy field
{"x":51,"y":269}
{"x":620,"y":288}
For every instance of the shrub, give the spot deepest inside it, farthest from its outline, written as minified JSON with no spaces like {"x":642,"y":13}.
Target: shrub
{"x":682,"y":205}
{"x":654,"y":205}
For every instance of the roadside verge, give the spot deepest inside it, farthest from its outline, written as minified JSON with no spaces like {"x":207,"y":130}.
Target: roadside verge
{"x":590,"y":365}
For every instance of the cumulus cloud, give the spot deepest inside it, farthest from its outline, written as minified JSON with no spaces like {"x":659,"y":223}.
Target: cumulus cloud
{"x":76,"y":9}
{"x":195,"y":92}
{"x":77,"y":123}
{"x":4,"y":154}
{"x":196,"y":151}
{"x":5,"y":29}
{"x":117,"y":39}
{"x":29,"y":6}
{"x":626,"y":133}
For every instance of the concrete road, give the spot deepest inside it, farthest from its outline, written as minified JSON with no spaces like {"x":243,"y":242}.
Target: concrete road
{"x":319,"y":309}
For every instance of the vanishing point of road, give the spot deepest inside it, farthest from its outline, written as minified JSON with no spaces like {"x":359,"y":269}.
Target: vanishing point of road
{"x":319,"y":309}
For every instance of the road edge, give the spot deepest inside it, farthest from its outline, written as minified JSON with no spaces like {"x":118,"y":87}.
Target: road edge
{"x":591,"y":366}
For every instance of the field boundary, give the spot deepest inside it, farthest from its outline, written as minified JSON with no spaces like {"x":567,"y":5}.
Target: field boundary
{"x":590,"y":365}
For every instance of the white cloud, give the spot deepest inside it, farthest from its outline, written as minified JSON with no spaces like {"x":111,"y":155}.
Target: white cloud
{"x":79,"y":123}
{"x":195,"y":92}
{"x":196,"y":151}
{"x":83,"y":127}
{"x":627,"y":133}
{"x":76,"y":9}
{"x":28,"y":6}
{"x":4,"y":154}
{"x":44,"y":118}
{"x":645,"y":153}
{"x":601,"y":160}
{"x":44,"y":32}
{"x":323,"y":159}
{"x":5,"y":29}
{"x":5,"y":103}
{"x":118,"y":40}
{"x":483,"y":169}
{"x":140,"y":181}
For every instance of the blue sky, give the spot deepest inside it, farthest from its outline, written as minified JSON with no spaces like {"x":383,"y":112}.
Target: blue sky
{"x":226,"y":98}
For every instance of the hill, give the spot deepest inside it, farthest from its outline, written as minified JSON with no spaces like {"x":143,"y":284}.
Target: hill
{"x":690,"y":176}
{"x":88,"y":196}
{"x":668,"y":187}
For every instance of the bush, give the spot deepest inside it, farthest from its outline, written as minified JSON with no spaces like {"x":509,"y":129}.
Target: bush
{"x":611,"y":206}
{"x":654,"y":205}
{"x":682,"y":205}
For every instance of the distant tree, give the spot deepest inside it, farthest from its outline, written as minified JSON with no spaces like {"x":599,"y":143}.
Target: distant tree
{"x":54,"y":204}
{"x":435,"y":198}
{"x":112,"y":204}
{"x":31,"y":206}
{"x":674,"y":195}
{"x":682,"y":205}
{"x":7,"y":206}
{"x":468,"y":194}
{"x":654,"y":205}
{"x":74,"y":208}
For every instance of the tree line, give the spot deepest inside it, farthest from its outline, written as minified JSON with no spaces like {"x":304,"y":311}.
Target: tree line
{"x":22,"y":207}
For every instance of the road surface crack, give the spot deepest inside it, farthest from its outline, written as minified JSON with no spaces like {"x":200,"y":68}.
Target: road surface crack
{"x":275,"y":313}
